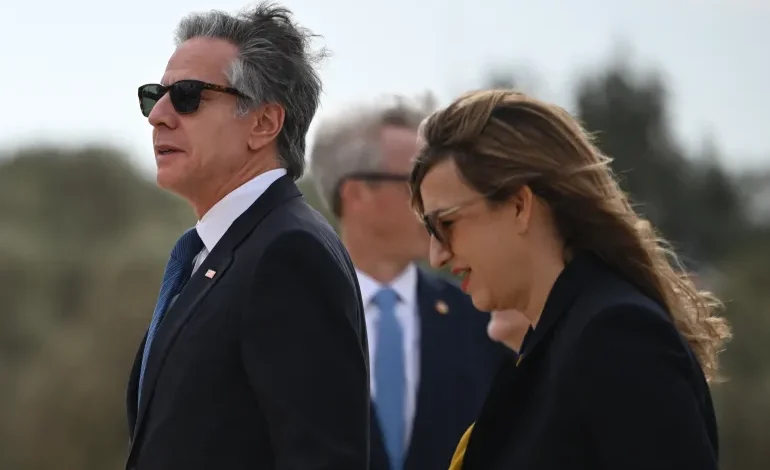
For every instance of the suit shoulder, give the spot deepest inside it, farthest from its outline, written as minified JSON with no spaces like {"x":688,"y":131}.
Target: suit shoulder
{"x":298,"y":215}
{"x":298,"y":229}
{"x":604,"y":303}
{"x":619,"y":311}
{"x":620,"y":297}
{"x":299,"y":221}
{"x":606,"y":293}
{"x":637,"y":332}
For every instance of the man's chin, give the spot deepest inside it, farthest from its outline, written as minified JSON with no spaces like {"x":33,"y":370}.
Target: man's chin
{"x":169,"y":180}
{"x":163,"y":180}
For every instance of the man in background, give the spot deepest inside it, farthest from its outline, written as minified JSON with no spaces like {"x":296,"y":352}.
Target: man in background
{"x":256,"y":356}
{"x":431,"y":361}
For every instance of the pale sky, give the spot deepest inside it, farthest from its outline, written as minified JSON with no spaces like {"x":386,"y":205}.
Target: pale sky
{"x":71,"y":69}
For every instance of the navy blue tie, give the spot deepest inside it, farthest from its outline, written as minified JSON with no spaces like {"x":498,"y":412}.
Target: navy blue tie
{"x":178,"y":270}
{"x":390,"y":378}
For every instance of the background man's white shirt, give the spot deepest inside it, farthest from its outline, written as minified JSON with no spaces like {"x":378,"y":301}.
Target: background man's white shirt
{"x":407,"y":313}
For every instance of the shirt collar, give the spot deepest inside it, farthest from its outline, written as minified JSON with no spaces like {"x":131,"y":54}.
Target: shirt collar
{"x":213,"y":225}
{"x":405,"y":285}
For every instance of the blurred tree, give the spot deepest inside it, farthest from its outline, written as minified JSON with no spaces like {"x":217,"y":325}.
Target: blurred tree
{"x":82,"y":247}
{"x":310,"y":193}
{"x":723,"y":219}
{"x":755,"y":186}
{"x":684,"y":197}
{"x":522,"y":76}
{"x":59,"y":208}
{"x":501,"y":78}
{"x":629,"y":119}
{"x":743,"y":402}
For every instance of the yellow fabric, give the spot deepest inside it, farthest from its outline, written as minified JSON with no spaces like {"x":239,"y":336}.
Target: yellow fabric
{"x":457,"y":458}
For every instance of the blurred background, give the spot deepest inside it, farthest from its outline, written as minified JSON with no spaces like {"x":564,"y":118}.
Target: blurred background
{"x":676,"y":92}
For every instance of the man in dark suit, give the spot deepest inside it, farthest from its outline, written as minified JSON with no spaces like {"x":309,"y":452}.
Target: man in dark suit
{"x":431,"y":359}
{"x":256,"y":355}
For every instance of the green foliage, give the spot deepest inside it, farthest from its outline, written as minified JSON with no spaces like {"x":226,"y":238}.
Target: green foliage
{"x":743,"y":401}
{"x":689,"y":197}
{"x":309,"y":191}
{"x":82,"y":247}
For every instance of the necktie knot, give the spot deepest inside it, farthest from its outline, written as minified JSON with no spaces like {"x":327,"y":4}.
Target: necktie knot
{"x":386,"y":299}
{"x":187,"y":247}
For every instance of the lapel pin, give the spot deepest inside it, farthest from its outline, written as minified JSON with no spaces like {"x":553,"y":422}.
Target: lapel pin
{"x":210,"y":273}
{"x":442,"y":307}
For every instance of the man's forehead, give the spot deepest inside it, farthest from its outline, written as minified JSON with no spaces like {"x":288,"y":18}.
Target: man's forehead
{"x":399,"y":146}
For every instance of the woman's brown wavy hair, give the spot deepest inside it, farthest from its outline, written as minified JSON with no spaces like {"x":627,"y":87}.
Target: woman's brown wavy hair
{"x":496,"y":136}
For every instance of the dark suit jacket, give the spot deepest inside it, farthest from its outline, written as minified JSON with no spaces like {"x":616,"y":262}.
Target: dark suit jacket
{"x":605,"y":381}
{"x":457,"y":364}
{"x":265,"y":364}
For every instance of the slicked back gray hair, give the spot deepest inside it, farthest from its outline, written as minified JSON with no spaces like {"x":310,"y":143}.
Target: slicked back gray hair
{"x":349,"y":144}
{"x":275,"y":65}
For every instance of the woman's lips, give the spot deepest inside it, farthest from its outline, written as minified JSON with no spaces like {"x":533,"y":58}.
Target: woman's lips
{"x":465,"y":275}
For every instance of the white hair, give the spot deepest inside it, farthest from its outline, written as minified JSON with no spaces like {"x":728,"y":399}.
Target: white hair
{"x":347,"y":143}
{"x":274,"y":65}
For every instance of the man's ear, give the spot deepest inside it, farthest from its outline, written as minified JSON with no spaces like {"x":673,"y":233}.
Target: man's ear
{"x":352,"y":194}
{"x":267,"y":124}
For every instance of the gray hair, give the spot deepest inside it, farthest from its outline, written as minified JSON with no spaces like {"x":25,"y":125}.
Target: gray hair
{"x":274,"y":65}
{"x":348,"y":144}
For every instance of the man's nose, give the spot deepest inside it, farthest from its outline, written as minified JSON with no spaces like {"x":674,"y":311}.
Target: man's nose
{"x":438,"y":254}
{"x":162,"y":113}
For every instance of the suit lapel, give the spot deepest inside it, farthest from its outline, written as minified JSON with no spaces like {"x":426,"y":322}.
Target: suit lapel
{"x":195,"y":290}
{"x":219,"y":260}
{"x":133,"y":384}
{"x":377,"y":452}
{"x":491,"y":431}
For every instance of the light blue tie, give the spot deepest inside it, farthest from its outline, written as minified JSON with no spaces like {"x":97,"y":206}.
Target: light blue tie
{"x":178,"y":269}
{"x":390,"y":379}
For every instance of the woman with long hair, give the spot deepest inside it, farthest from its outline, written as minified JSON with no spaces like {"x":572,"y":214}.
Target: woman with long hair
{"x":615,"y":372}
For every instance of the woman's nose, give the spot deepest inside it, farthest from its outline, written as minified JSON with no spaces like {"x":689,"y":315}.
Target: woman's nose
{"x":438,"y":255}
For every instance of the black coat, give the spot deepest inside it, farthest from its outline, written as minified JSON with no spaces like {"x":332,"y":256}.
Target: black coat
{"x":604,"y":382}
{"x":263,"y":365}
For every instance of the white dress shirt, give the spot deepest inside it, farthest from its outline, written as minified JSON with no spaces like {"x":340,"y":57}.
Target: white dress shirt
{"x":213,"y":225}
{"x":408,"y":317}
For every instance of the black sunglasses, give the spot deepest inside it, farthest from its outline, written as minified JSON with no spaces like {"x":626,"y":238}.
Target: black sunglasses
{"x":185,"y":95}
{"x":435,"y":226}
{"x":368,"y":177}
{"x":375,"y":176}
{"x":437,"y":229}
